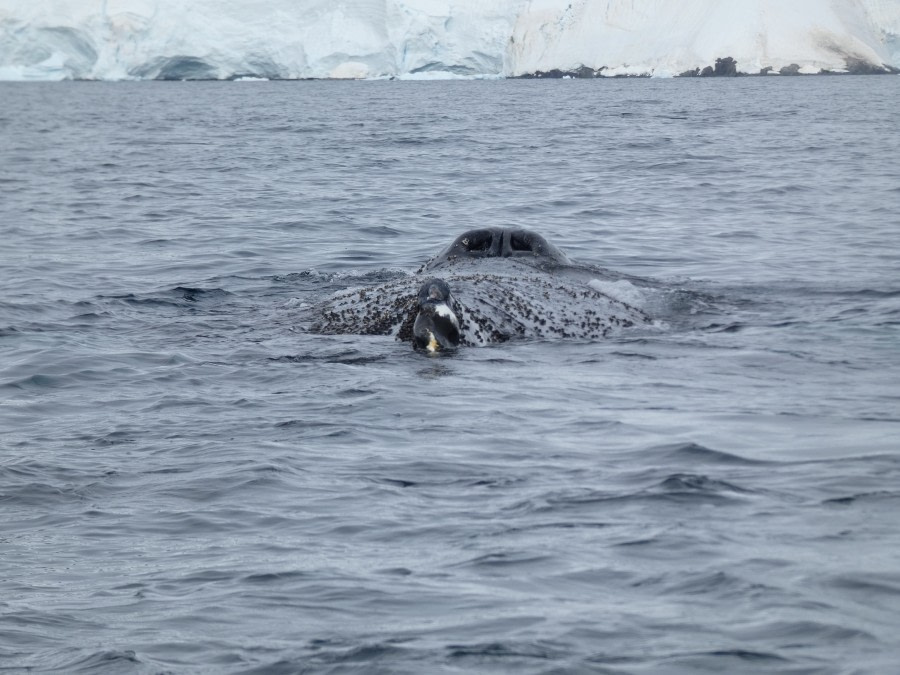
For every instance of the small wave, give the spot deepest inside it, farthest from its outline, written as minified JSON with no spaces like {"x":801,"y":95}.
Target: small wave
{"x":276,"y":577}
{"x":715,"y":582}
{"x":353,"y":358}
{"x":113,"y":438}
{"x":527,"y":650}
{"x":502,"y":559}
{"x":298,"y":276}
{"x":694,"y":486}
{"x":197,"y":294}
{"x":381,"y":231}
{"x":816,"y":631}
{"x":880,"y":495}
{"x":875,"y":591}
{"x":675,"y":487}
{"x":334,"y":653}
{"x":40,"y":382}
{"x":34,"y":494}
{"x":415,"y":140}
{"x":107,"y":661}
{"x":180,"y":296}
{"x":832,"y":291}
{"x":37,"y":381}
{"x":785,"y":189}
{"x":732,"y":327}
{"x":692,"y":453}
{"x":629,"y":355}
{"x":724,"y":660}
{"x":746,"y":655}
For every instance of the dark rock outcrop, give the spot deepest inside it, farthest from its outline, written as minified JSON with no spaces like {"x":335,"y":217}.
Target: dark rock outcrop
{"x":860,"y":67}
{"x":726,"y":67}
{"x":581,"y":73}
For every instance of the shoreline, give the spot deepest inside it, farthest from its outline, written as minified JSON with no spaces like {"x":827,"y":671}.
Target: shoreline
{"x":185,"y":69}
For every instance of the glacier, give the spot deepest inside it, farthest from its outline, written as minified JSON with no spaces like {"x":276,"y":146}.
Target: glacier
{"x":420,"y":39}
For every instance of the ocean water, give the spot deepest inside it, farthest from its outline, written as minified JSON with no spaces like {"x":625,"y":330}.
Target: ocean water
{"x":190,"y":482}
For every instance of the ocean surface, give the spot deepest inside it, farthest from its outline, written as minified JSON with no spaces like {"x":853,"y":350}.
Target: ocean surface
{"x":191,"y":482}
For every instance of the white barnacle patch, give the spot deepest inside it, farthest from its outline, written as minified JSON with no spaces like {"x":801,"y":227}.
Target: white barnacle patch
{"x":432,"y":345}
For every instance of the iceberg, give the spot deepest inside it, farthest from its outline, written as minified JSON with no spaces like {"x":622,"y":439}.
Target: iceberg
{"x":433,"y":39}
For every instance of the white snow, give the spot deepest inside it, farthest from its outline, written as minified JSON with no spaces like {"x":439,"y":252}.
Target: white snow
{"x":631,"y":37}
{"x":434,"y":39}
{"x":884,"y":20}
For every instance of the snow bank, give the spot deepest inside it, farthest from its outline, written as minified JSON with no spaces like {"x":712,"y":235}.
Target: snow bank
{"x":230,"y":39}
{"x":675,"y":37}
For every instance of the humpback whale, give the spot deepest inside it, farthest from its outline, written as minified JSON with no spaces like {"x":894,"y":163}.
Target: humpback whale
{"x":490,"y":285}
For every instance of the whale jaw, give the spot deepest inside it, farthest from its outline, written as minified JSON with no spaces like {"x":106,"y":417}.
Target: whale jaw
{"x":436,"y":327}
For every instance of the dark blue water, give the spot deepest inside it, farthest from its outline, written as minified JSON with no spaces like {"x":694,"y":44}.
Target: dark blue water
{"x":189,"y":482}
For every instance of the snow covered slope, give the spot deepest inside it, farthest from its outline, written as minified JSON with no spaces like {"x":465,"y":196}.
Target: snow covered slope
{"x":666,"y":37}
{"x":174,"y":39}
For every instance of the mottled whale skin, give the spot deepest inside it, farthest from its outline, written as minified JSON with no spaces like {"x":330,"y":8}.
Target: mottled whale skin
{"x":504,"y":283}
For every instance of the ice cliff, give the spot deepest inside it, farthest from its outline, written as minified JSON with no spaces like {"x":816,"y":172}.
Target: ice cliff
{"x":221,"y":39}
